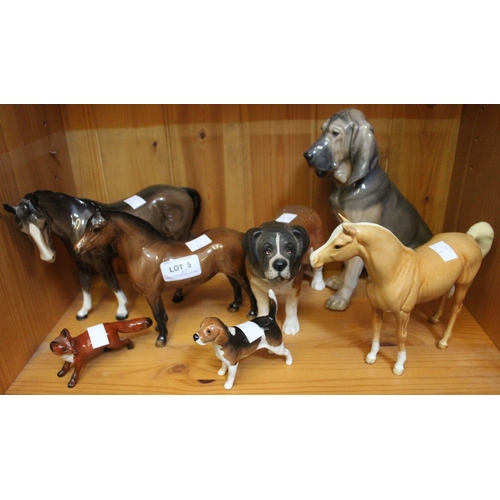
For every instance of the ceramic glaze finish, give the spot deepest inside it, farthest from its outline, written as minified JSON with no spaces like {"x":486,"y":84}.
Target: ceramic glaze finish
{"x":231,"y":344}
{"x":78,"y":350}
{"x":143,"y":250}
{"x":347,"y":151}
{"x":171,"y":210}
{"x":277,"y":254}
{"x":400,"y":277}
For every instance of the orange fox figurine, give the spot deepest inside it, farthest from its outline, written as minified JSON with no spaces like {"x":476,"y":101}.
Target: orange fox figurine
{"x":93,"y":341}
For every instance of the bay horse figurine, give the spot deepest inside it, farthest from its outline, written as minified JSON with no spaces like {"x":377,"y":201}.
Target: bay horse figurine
{"x":400,"y":277}
{"x":156,"y":264}
{"x":171,"y":210}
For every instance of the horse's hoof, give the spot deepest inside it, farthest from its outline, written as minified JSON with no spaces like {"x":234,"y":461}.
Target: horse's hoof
{"x":177,"y":299}
{"x":433,"y":321}
{"x":81,"y":318}
{"x":121,"y":317}
{"x":369,"y":360}
{"x":442,"y":346}
{"x":160,"y":342}
{"x":252,"y":315}
{"x":233,"y":307}
{"x":398,"y":371}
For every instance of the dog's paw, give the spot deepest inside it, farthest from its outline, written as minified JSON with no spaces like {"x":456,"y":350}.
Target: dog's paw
{"x":318,"y":284}
{"x":335,"y":303}
{"x":334,"y":282}
{"x":291,"y":326}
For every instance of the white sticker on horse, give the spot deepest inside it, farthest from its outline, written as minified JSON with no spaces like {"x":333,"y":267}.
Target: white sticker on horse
{"x":98,"y":335}
{"x":444,"y":250}
{"x":197,"y":243}
{"x":181,"y":269}
{"x":286,"y":218}
{"x":135,"y":201}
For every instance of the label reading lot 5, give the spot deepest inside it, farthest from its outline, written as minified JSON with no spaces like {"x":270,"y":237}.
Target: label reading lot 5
{"x":181,"y":269}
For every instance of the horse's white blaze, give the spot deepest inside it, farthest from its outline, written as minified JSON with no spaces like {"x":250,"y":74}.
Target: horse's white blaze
{"x":46,"y":253}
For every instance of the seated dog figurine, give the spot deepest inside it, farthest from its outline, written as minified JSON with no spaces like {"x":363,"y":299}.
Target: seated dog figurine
{"x":232,"y":343}
{"x":276,"y":253}
{"x":93,"y":341}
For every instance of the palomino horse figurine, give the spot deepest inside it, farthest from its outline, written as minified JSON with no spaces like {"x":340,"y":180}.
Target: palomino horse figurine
{"x":400,"y":277}
{"x":171,"y":210}
{"x":156,"y":264}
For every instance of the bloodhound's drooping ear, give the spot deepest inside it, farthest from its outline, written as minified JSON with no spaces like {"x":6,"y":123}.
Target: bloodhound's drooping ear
{"x":363,"y":148}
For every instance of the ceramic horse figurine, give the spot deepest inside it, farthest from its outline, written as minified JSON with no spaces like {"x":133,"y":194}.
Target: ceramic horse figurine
{"x":156,"y":264}
{"x":171,"y":210}
{"x":400,"y":277}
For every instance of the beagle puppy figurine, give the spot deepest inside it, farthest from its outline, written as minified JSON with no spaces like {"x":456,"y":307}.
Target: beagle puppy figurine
{"x":232,"y":343}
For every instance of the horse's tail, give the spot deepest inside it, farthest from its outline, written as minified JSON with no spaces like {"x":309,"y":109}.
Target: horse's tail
{"x":195,"y":196}
{"x":273,"y":304}
{"x":483,"y":233}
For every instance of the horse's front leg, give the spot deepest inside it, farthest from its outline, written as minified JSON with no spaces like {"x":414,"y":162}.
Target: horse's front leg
{"x":84,"y":274}
{"x":402,"y":319}
{"x":158,"y":309}
{"x":377,"y":319}
{"x":104,"y":267}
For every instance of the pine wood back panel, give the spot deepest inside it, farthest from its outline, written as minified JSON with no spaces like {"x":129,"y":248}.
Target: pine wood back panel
{"x":474,"y":196}
{"x":33,"y":294}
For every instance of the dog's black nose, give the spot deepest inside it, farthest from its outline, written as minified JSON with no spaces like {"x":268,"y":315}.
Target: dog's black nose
{"x":308,"y":156}
{"x":280,"y":264}
{"x":196,"y":337}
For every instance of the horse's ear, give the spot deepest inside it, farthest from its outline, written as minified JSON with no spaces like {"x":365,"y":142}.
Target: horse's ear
{"x":98,"y":220}
{"x":342,"y":218}
{"x":9,"y":208}
{"x":349,"y":229}
{"x":100,"y":209}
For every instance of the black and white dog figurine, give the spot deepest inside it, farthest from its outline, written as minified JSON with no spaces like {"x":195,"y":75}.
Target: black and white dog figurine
{"x":362,"y":191}
{"x":232,"y":343}
{"x":276,"y":253}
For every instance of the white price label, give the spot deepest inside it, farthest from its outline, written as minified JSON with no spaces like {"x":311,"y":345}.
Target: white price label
{"x":197,"y":243}
{"x":251,"y":330}
{"x":286,"y":218}
{"x":135,"y":201}
{"x":444,"y":250}
{"x":98,"y":336}
{"x":181,"y":269}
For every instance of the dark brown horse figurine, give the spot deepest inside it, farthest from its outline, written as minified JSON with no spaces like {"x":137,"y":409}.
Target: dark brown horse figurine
{"x":171,"y":210}
{"x":155,"y":264}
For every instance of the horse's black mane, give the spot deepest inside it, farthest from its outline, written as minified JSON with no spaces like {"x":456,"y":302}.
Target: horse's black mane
{"x":146,"y":226}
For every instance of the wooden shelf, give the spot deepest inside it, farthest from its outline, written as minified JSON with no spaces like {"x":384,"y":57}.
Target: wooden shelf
{"x":328,"y":352}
